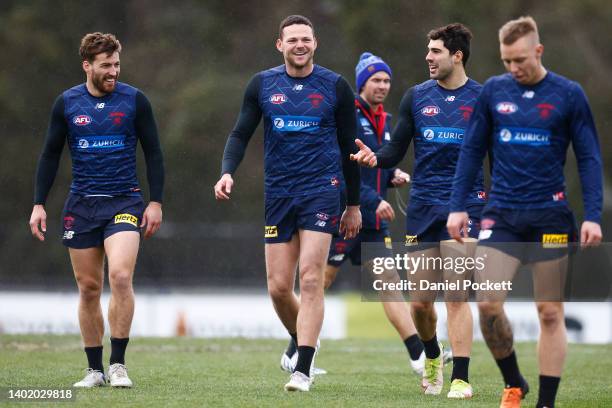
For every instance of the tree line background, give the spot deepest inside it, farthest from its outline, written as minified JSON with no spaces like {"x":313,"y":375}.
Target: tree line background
{"x":193,"y":60}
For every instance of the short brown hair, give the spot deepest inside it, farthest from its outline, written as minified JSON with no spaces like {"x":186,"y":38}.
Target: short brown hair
{"x":456,"y":37}
{"x":97,"y":43}
{"x":294,"y":19}
{"x":515,"y":29}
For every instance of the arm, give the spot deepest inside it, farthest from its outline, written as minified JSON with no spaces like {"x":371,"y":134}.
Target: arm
{"x":48,"y":164}
{"x":588,"y":157}
{"x":346,"y":124}
{"x":475,"y":145}
{"x":146,"y":130}
{"x":248,"y":119}
{"x":393,"y":152}
{"x":346,"y":129}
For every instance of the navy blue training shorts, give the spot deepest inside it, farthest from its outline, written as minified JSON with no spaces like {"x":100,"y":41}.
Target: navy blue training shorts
{"x":89,"y":220}
{"x":342,"y":249}
{"x":315,"y":212}
{"x":426,"y":224}
{"x":546,"y":232}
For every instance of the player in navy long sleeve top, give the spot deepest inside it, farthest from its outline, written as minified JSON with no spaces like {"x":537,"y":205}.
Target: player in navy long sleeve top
{"x":529,"y":116}
{"x":309,"y":123}
{"x":434,"y":115}
{"x":102,"y":122}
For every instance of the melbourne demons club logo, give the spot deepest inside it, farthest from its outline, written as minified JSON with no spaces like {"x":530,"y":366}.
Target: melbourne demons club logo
{"x":467,"y":112}
{"x":68,"y":222}
{"x":315,"y":100}
{"x":545,"y":109}
{"x":278,"y":99}
{"x":117,"y":117}
{"x":431,"y":110}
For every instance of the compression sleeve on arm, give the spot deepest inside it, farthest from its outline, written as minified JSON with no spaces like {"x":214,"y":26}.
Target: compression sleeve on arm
{"x":346,"y":125}
{"x":48,"y":162}
{"x":248,"y":119}
{"x":146,"y":130}
{"x":393,"y":152}
{"x":588,"y":156}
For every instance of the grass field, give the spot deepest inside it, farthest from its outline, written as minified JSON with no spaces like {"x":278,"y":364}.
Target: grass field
{"x":189,"y":372}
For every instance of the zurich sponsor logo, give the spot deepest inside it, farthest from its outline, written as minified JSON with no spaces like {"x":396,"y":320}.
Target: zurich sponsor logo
{"x":101,"y":143}
{"x":287,"y":123}
{"x":505,"y":135}
{"x":437,"y":134}
{"x":431,"y":110}
{"x":506,"y":108}
{"x":81,"y":120}
{"x":278,"y":99}
{"x":525,"y":136}
{"x":279,"y":123}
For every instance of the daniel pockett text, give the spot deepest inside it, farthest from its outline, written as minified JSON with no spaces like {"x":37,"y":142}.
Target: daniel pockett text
{"x":407,"y":265}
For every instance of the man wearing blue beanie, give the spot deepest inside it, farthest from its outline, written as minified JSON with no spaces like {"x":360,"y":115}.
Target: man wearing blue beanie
{"x":367,"y":66}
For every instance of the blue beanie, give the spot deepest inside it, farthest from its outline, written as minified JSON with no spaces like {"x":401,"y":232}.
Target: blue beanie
{"x":367,"y":66}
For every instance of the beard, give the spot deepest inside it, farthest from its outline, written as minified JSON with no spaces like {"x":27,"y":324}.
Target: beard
{"x":291,"y":61}
{"x":99,"y":82}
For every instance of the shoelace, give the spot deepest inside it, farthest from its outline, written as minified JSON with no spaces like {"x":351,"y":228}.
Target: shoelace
{"x":511,"y":396}
{"x":431,"y":370}
{"x":120,"y":371}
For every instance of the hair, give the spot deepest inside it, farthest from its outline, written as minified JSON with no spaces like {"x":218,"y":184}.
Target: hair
{"x":456,"y":37}
{"x":292,"y":20}
{"x":93,"y":44}
{"x":515,"y":29}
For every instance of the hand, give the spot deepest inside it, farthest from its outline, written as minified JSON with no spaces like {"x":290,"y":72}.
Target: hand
{"x":38,"y":219}
{"x":350,"y":223}
{"x":151,"y":218}
{"x":400,"y":178}
{"x":223,"y":188}
{"x":457,"y":221}
{"x":590,"y":234}
{"x":385,"y":211}
{"x":365,"y":156}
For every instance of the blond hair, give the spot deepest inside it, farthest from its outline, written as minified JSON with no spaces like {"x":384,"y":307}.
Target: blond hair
{"x":515,"y":29}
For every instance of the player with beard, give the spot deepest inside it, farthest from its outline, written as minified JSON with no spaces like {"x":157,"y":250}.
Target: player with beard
{"x":435,"y":115}
{"x":309,"y":128}
{"x":102,"y":120}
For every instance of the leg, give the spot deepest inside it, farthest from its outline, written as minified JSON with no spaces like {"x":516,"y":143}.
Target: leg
{"x":281,"y":264}
{"x":314,"y":248}
{"x":121,"y":250}
{"x":422,"y":306}
{"x":330,"y":275}
{"x":88,"y":266}
{"x":552,"y":344}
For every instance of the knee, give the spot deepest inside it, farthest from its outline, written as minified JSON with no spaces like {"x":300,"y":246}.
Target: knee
{"x":89,"y":289}
{"x":279,"y":289}
{"x":120,"y":279}
{"x":311,"y":279}
{"x":551,"y":315}
{"x":490,"y":308}
{"x":454,"y":307}
{"x":421,"y":308}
